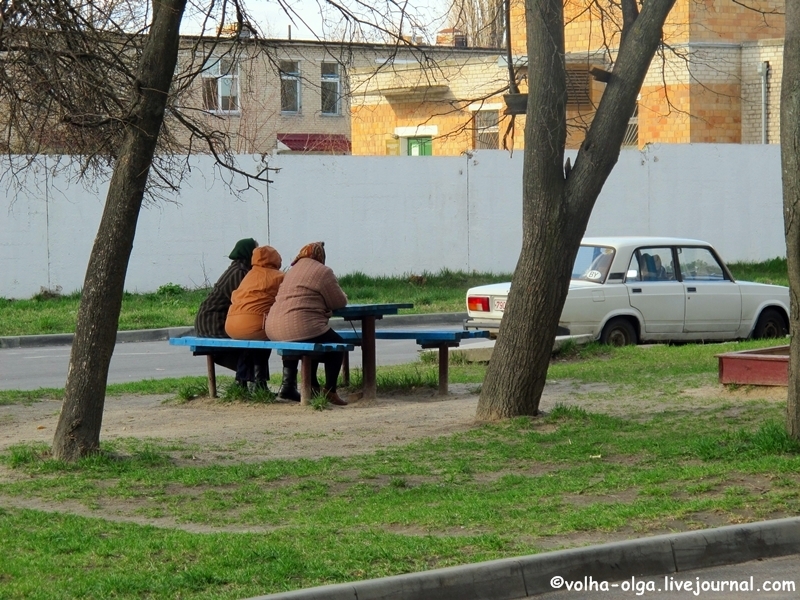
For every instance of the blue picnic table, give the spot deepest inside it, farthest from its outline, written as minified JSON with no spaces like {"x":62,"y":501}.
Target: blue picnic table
{"x":368,"y":314}
{"x":441,"y":340}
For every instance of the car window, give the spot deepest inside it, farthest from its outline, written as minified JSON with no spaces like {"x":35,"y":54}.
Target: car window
{"x":651,"y":264}
{"x":593,"y":263}
{"x":699,"y":264}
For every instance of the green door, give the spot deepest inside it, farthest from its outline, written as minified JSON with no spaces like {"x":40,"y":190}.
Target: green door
{"x":420,"y":146}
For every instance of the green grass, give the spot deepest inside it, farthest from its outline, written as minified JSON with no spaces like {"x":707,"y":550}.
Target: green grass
{"x":496,"y":491}
{"x":173,"y":306}
{"x":140,"y":519}
{"x":772,"y":271}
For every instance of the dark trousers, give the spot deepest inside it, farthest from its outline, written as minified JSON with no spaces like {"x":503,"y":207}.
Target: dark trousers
{"x":333,"y":360}
{"x":250,"y":365}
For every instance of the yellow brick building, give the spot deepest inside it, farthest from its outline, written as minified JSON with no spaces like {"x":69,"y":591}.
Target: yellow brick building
{"x":708,"y":83}
{"x":295,"y":96}
{"x":715,"y":80}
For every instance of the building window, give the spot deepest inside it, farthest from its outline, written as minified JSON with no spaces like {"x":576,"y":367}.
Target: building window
{"x":579,"y":90}
{"x":221,"y":85}
{"x":632,"y":132}
{"x":486,"y":130}
{"x":290,"y":86}
{"x":420,"y":146}
{"x":330,"y":89}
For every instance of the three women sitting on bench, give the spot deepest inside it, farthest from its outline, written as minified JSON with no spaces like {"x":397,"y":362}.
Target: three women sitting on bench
{"x":287,"y":307}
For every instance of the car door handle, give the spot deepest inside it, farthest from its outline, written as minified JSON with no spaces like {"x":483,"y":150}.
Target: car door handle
{"x":692,"y":289}
{"x":636,"y":291}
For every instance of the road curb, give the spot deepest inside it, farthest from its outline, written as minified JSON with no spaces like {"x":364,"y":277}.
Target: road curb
{"x":65,"y":339}
{"x":526,"y":576}
{"x":153,"y":335}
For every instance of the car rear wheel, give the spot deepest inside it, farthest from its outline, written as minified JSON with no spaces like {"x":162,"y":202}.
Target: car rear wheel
{"x":770,"y":325}
{"x":618,"y":332}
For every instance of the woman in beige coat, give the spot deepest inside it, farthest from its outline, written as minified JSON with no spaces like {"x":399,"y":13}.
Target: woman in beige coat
{"x":306,"y":298}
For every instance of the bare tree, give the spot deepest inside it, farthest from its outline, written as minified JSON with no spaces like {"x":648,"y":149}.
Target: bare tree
{"x":558,"y":198}
{"x":790,"y":169}
{"x":97,"y":78}
{"x":103,"y":79}
{"x":481,"y":21}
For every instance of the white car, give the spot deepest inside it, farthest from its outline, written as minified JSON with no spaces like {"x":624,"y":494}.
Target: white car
{"x":626,"y":290}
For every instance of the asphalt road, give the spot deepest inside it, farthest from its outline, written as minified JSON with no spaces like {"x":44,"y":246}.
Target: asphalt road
{"x":32,"y":368}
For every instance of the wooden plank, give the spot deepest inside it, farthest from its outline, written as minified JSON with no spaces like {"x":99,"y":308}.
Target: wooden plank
{"x":210,"y":344}
{"x":768,"y":366}
{"x":358,"y":311}
{"x":428,"y":335}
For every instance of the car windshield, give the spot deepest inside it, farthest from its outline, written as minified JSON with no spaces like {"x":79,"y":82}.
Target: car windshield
{"x":592,"y":263}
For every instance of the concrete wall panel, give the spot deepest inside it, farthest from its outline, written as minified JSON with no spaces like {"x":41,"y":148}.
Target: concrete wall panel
{"x":387,"y":215}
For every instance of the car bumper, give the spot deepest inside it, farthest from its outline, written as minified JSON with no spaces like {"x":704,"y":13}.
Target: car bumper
{"x":493,"y":326}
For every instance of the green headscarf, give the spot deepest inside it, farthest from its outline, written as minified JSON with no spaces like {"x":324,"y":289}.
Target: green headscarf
{"x":243,"y":250}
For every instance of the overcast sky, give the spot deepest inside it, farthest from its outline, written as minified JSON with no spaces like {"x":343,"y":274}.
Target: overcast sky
{"x":316,"y":19}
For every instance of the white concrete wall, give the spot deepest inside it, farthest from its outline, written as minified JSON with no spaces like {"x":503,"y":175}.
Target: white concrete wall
{"x":386,"y":215}
{"x":377,"y":215}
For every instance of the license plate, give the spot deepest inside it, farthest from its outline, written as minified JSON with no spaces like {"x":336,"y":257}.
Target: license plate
{"x":499,"y":305}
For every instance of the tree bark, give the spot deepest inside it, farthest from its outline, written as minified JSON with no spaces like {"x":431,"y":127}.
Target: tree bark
{"x":78,"y":430}
{"x":557,"y":204}
{"x":790,"y":174}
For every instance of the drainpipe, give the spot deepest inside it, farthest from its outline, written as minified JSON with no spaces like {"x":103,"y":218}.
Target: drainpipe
{"x":763,"y":70}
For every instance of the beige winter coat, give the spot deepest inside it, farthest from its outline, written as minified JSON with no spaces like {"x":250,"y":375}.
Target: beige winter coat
{"x":307,"y":296}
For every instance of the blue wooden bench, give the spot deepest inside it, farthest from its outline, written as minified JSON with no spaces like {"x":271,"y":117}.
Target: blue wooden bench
{"x":442,"y":340}
{"x":305,"y":351}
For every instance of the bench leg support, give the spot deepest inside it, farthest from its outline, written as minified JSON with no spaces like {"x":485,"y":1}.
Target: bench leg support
{"x":305,"y":380}
{"x":212,"y":376}
{"x":444,"y":367}
{"x":368,"y":357}
{"x":346,"y":370}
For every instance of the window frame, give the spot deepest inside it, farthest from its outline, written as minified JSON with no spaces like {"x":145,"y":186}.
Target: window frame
{"x":290,"y":78}
{"x":213,"y":71}
{"x":686,"y":273}
{"x":331,"y":78}
{"x":479,"y":129}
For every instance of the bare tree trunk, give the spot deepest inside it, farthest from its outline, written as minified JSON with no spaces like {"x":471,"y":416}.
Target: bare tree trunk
{"x":790,"y":168}
{"x":558,"y":201}
{"x":78,"y":431}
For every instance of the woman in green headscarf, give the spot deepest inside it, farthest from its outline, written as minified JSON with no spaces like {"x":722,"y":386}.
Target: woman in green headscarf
{"x":210,"y":319}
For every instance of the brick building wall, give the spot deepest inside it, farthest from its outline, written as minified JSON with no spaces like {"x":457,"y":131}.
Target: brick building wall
{"x":753,"y":55}
{"x":704,"y":87}
{"x":254,"y":127}
{"x":408,"y":101}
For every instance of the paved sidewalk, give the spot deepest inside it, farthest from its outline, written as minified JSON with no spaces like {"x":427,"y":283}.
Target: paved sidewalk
{"x":672,"y":556}
{"x":771,"y":578}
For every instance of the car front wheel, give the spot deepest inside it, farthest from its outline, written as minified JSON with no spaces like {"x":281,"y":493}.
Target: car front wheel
{"x":770,"y":325}
{"x":618,"y":332}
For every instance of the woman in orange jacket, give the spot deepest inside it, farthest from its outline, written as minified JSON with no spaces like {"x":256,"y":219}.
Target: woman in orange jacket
{"x":250,"y":305}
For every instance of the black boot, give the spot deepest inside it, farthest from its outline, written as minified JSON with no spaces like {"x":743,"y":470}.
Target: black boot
{"x":288,"y":389}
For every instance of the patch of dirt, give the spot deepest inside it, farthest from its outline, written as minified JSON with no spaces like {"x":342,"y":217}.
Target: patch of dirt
{"x":210,"y":430}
